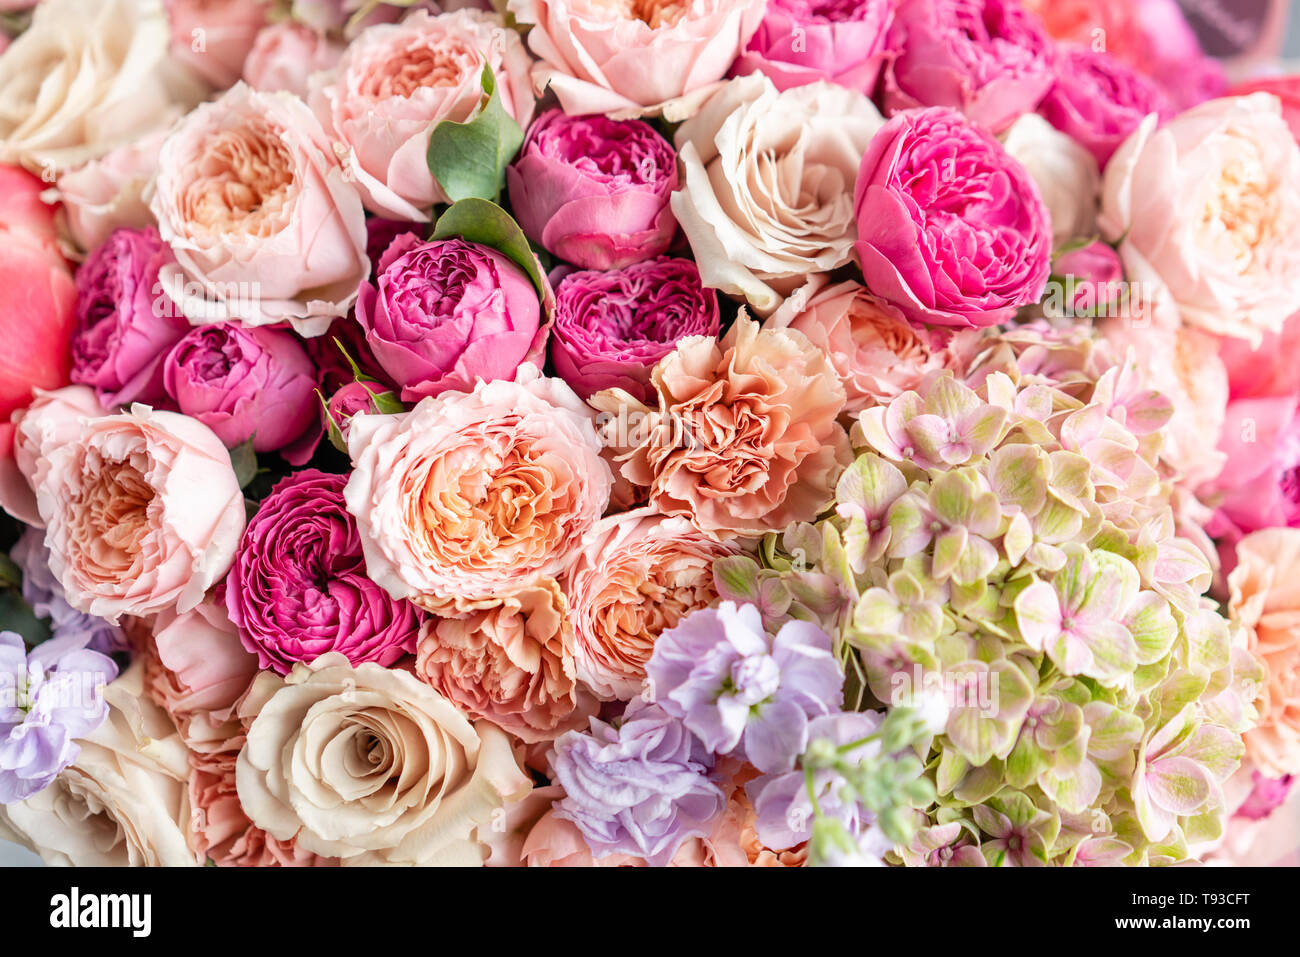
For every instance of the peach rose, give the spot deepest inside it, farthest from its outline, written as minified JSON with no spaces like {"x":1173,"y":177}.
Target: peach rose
{"x":555,"y":842}
{"x":121,"y":803}
{"x":397,"y":81}
{"x":53,"y":419}
{"x":510,"y":662}
{"x":1207,"y":211}
{"x":628,"y":59}
{"x":637,"y":574}
{"x":745,"y":438}
{"x":767,"y":196}
{"x":88,"y":76}
{"x":142,"y":512}
{"x":196,"y":670}
{"x":876,"y":352}
{"x":259,"y":211}
{"x":384,"y":770}
{"x":213,"y":37}
{"x":471,"y":495}
{"x":285,"y":55}
{"x":1265,"y":598}
{"x":108,"y":193}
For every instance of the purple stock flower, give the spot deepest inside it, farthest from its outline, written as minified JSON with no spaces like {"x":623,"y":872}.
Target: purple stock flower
{"x":48,"y":699}
{"x":612,"y":327}
{"x":639,"y":786}
{"x":42,"y":590}
{"x":782,"y":805}
{"x":734,"y":685}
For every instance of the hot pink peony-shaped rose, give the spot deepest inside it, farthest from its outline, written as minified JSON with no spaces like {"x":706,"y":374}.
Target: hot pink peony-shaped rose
{"x":951,"y":229}
{"x":989,"y":59}
{"x":629,"y":60}
{"x":611,"y":328}
{"x":594,"y":191}
{"x":1099,"y":101}
{"x":637,"y":574}
{"x":299,"y":589}
{"x":802,"y":41}
{"x":285,"y":55}
{"x":510,"y":662}
{"x":246,"y":384}
{"x":443,"y":314}
{"x":142,"y":513}
{"x":260,"y":214}
{"x":472,"y":495}
{"x":213,"y":37}
{"x":1259,"y":486}
{"x":744,"y":438}
{"x":127,"y":324}
{"x":397,"y":81}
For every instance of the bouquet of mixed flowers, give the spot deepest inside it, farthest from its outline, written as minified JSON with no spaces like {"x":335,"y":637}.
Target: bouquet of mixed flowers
{"x":715,"y":432}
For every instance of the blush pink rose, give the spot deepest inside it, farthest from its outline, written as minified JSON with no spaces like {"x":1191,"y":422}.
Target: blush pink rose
{"x":876,"y":352}
{"x":1265,"y":598}
{"x":107,"y":193}
{"x":802,"y":41}
{"x":260,"y":213}
{"x":285,"y":55}
{"x":638,"y":574}
{"x":213,"y":37}
{"x":142,"y":513}
{"x":626,"y":61}
{"x":51,"y":420}
{"x":472,"y":495}
{"x":1269,"y":369}
{"x":396,"y":82}
{"x":511,"y":662}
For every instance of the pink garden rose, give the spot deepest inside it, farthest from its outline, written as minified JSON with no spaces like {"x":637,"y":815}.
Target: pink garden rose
{"x":637,"y":574}
{"x":260,"y":213}
{"x":802,"y":41}
{"x":285,"y":55}
{"x":471,"y":495}
{"x":395,"y":82}
{"x":988,"y":59}
{"x":1259,"y":486}
{"x":213,"y":37}
{"x":626,"y":62}
{"x":594,"y":191}
{"x":441,"y":315}
{"x":51,"y":420}
{"x":1206,"y":210}
{"x":107,"y":193}
{"x":951,"y":229}
{"x":142,"y":513}
{"x":1269,"y":369}
{"x":1285,"y":88}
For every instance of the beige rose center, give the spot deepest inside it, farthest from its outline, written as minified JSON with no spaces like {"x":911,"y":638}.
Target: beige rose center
{"x":654,"y":13}
{"x":113,"y":508}
{"x":416,"y":67}
{"x":242,"y":183}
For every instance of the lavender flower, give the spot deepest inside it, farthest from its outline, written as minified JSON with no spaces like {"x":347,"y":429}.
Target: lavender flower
{"x":639,"y":786}
{"x":47,"y":700}
{"x":42,"y":590}
{"x":734,"y":685}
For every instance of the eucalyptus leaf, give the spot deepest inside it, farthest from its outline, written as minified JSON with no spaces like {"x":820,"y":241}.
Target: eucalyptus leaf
{"x":244,"y":461}
{"x":17,"y":616}
{"x":484,"y":222}
{"x":469,"y":159}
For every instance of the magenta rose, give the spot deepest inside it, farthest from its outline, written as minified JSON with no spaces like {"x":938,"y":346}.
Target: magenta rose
{"x":612,"y":327}
{"x":990,"y":59}
{"x":1098,"y":101}
{"x":442,"y":314}
{"x":126,"y":324}
{"x":951,"y":229}
{"x":245,"y":383}
{"x":802,"y":41}
{"x":298,"y":588}
{"x":593,"y":190}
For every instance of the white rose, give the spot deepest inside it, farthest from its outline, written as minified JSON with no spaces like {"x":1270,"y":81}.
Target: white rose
{"x":370,"y":765}
{"x":768,"y":192}
{"x":1066,"y":174}
{"x":88,"y":76}
{"x":124,"y":800}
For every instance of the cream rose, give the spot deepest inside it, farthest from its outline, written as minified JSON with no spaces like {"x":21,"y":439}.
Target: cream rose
{"x":397,"y":81}
{"x":1208,"y":211}
{"x":123,"y":801}
{"x":370,"y":765}
{"x":1064,"y":172}
{"x":627,"y":59}
{"x":142,"y":512}
{"x":88,"y":76}
{"x":259,"y":211}
{"x":767,"y":197}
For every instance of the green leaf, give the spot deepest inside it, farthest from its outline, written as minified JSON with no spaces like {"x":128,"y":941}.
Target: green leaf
{"x":469,"y":159}
{"x":484,"y":222}
{"x":17,"y":616}
{"x":244,"y":461}
{"x":11,"y":576}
